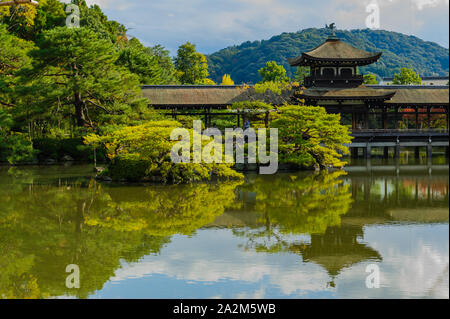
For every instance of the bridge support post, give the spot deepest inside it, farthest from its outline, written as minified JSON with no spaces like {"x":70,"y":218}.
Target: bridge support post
{"x":446,"y":152}
{"x":429,"y":151}
{"x":417,"y":152}
{"x":368,"y":151}
{"x":386,"y":152}
{"x":354,"y":151}
{"x":397,"y":151}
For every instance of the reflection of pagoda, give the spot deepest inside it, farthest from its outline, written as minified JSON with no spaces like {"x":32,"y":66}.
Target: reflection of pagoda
{"x":337,"y":249}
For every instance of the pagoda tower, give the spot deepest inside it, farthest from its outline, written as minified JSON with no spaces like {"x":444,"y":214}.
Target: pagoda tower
{"x":334,"y":64}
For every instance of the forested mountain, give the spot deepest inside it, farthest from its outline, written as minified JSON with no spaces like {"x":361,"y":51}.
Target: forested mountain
{"x":399,"y":50}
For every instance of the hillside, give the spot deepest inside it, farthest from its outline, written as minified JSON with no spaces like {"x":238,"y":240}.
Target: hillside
{"x":399,"y":50}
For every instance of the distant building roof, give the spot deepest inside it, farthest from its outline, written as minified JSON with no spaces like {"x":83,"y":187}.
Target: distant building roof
{"x":424,"y":78}
{"x":334,"y":50}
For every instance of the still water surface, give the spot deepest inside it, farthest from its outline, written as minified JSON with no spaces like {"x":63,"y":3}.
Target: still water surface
{"x":292,"y":235}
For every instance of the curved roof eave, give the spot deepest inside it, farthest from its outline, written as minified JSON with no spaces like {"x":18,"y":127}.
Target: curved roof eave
{"x":301,"y":61}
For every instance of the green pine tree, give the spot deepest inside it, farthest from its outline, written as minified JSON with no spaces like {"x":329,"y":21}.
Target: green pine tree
{"x":191,"y":65}
{"x":76,"y":70}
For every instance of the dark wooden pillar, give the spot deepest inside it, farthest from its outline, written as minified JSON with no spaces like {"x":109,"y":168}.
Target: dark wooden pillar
{"x":417,"y":117}
{"x":429,"y":151}
{"x":417,"y":152}
{"x":416,"y":195}
{"x":396,"y":118}
{"x":446,"y":114}
{"x":238,"y":119}
{"x":366,"y":118}
{"x":368,"y":150}
{"x":397,"y":151}
{"x":429,"y":117}
{"x":209,"y":117}
{"x":353,"y":120}
{"x":386,"y":152}
{"x":384,"y":117}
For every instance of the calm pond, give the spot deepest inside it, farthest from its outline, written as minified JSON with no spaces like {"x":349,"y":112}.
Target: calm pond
{"x":292,"y":235}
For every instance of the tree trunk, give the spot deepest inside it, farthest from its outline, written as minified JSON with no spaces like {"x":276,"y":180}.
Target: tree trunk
{"x":266,"y":120}
{"x":79,"y":114}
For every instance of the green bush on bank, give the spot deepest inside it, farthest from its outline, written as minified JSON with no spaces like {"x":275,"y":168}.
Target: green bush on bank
{"x":16,"y":148}
{"x":127,"y":168}
{"x":57,"y":149}
{"x":131,"y":168}
{"x":143,"y":153}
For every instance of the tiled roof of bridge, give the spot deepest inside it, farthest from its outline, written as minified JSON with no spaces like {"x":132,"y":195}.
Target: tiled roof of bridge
{"x":357,"y":93}
{"x":402,"y":95}
{"x":192,"y":95}
{"x":222,"y":96}
{"x":417,"y":96}
{"x":201,"y":96}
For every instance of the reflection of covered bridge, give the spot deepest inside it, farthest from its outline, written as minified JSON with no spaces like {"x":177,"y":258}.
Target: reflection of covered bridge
{"x":380,"y":116}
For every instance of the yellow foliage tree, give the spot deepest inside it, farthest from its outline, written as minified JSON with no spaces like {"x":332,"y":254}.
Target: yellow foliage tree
{"x":26,"y":11}
{"x":208,"y":82}
{"x":226,"y":80}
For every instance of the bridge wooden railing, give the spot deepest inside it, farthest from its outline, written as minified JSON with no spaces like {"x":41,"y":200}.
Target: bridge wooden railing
{"x":395,"y":131}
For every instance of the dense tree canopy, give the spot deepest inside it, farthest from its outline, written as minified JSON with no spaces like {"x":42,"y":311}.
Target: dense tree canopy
{"x":272,"y":72}
{"x":191,"y":65}
{"x":370,"y":79}
{"x":76,"y":69}
{"x":138,"y":60}
{"x":13,"y":57}
{"x":143,"y":152}
{"x":53,"y":78}
{"x":301,"y":73}
{"x":311,"y":137}
{"x":407,"y":77}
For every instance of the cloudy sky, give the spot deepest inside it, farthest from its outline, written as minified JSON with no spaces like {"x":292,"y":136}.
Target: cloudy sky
{"x":216,"y":24}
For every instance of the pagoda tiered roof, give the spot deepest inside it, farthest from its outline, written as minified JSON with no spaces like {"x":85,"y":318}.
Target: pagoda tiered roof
{"x":335,"y":51}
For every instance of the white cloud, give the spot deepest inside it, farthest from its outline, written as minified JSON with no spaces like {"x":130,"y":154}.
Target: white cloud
{"x":415,"y":264}
{"x":215,"y":24}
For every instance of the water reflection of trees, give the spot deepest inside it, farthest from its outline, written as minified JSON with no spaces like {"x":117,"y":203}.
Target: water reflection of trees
{"x":297,"y":204}
{"x":46,"y":224}
{"x":332,"y":210}
{"x":289,"y":205}
{"x":45,"y":227}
